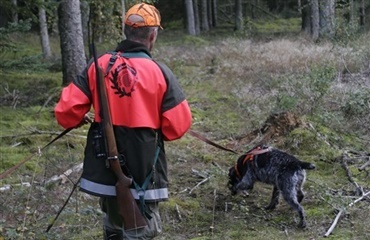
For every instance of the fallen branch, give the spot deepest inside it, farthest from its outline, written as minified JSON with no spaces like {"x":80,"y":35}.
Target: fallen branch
{"x":178,"y":213}
{"x":63,"y":177}
{"x":334,"y":223}
{"x":200,"y":174}
{"x":344,"y":159}
{"x":219,"y":167}
{"x":340,"y":213}
{"x":200,"y":183}
{"x":8,"y":186}
{"x":365,"y":165}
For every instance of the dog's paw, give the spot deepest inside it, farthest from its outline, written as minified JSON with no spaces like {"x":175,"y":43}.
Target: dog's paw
{"x":302,"y":224}
{"x":241,"y":186}
{"x":270,"y":207}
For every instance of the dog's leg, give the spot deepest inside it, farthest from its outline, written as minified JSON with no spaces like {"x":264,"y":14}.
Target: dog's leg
{"x":274,"y":199}
{"x":293,"y":201}
{"x":289,"y":192}
{"x":300,"y":195}
{"x":301,"y":179}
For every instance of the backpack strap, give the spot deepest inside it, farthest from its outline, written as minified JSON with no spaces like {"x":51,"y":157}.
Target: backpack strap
{"x":112,"y":60}
{"x":127,"y":55}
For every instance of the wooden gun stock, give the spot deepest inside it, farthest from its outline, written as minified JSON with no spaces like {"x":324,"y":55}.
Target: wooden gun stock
{"x":128,"y":208}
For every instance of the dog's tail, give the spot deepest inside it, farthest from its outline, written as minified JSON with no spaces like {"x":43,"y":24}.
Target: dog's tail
{"x":307,"y":165}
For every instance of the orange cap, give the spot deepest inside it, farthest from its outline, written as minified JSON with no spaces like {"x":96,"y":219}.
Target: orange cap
{"x":143,"y":15}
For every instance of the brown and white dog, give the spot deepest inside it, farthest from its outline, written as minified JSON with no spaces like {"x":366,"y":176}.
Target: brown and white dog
{"x":265,"y":164}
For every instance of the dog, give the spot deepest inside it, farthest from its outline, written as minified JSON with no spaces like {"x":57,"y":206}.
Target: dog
{"x":272,"y":166}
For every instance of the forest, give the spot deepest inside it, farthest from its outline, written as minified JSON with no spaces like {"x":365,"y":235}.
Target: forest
{"x":291,"y":74}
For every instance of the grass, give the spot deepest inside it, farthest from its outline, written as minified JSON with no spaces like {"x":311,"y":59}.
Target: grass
{"x":233,"y":84}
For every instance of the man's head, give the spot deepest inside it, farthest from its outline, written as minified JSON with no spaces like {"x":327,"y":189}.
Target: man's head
{"x":141,"y":24}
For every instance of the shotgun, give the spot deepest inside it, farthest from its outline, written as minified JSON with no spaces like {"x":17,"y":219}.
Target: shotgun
{"x":127,"y":206}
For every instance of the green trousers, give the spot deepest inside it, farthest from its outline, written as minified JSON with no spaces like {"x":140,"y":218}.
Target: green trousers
{"x":113,"y":224}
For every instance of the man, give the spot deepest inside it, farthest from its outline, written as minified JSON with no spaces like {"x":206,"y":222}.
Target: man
{"x":147,"y":107}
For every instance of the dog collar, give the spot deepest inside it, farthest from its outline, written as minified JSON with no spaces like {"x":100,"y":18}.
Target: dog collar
{"x":250,"y":155}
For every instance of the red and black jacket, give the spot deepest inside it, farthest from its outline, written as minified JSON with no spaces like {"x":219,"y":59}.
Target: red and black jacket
{"x":147,"y":107}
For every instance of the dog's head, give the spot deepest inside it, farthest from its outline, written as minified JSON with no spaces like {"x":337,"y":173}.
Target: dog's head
{"x":236,"y":174}
{"x":234,"y":179}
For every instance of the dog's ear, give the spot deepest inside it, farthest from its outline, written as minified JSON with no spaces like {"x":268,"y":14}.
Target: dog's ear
{"x":231,"y":172}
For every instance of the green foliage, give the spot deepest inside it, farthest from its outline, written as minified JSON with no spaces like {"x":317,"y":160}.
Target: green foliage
{"x":106,"y":20}
{"x":6,"y":44}
{"x":305,"y":92}
{"x":358,"y":104}
{"x":277,"y":26}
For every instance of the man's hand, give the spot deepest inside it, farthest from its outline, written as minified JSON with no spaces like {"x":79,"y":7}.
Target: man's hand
{"x":87,"y":119}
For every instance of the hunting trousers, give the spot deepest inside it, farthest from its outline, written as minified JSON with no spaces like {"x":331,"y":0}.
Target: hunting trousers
{"x":113,"y":225}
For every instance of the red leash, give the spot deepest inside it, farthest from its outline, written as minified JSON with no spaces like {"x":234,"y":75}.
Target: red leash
{"x":204,"y":139}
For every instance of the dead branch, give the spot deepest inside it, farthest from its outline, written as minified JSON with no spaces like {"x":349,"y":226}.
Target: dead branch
{"x":365,"y":165}
{"x":334,"y":223}
{"x":64,"y":176}
{"x":340,"y":213}
{"x":219,"y":167}
{"x":200,"y":174}
{"x":9,"y":186}
{"x":359,"y":199}
{"x":178,"y":213}
{"x":344,"y":159}
{"x":200,"y":183}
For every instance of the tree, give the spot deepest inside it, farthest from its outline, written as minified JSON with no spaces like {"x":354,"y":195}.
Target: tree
{"x":44,"y":35}
{"x":196,"y":16}
{"x":318,"y":18}
{"x":190,"y":20}
{"x":362,"y":13}
{"x":327,"y":18}
{"x":315,"y":19}
{"x":305,"y":10}
{"x":214,"y":13}
{"x":238,"y":15}
{"x":204,"y":14}
{"x":71,"y":39}
{"x":14,"y":12}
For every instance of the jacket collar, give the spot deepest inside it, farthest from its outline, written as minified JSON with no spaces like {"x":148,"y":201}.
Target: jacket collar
{"x":131,"y":46}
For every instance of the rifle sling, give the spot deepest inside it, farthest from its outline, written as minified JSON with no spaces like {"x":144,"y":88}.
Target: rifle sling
{"x":141,"y":190}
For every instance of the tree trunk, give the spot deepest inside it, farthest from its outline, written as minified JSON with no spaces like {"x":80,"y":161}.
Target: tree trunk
{"x":327,"y":18}
{"x":362,"y":13}
{"x":204,"y":14}
{"x":85,"y":15}
{"x":214,"y":13}
{"x":44,"y":35}
{"x":14,"y":12}
{"x":209,"y":13}
{"x":190,"y":21}
{"x":305,"y":10}
{"x":315,"y":19}
{"x":123,"y":9}
{"x":71,"y":39}
{"x":352,"y":15}
{"x":196,"y":16}
{"x":238,"y":15}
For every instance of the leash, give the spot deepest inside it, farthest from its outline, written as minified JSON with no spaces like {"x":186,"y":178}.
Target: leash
{"x":12,"y":169}
{"x":64,"y":205}
{"x":204,"y":139}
